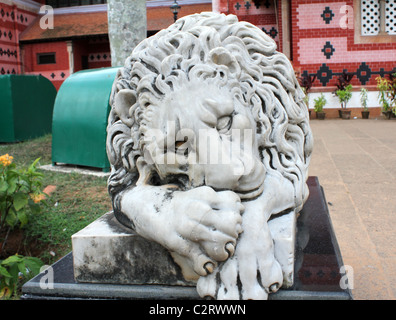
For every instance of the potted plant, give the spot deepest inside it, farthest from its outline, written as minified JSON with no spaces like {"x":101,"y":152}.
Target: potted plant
{"x":343,"y":92}
{"x":384,"y":86}
{"x":306,"y":83}
{"x":363,"y":101}
{"x":392,"y":93}
{"x":344,"y":95}
{"x":320,"y":102}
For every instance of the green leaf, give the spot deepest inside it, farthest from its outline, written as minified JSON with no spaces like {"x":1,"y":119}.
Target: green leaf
{"x":5,"y":292}
{"x":32,"y":167}
{"x":22,"y":268}
{"x":12,"y":185}
{"x":3,"y":186}
{"x":22,"y":217}
{"x":4,"y":272}
{"x":33,"y":264}
{"x":35,"y":208}
{"x":8,"y":280}
{"x":12,"y":174}
{"x":20,"y":201}
{"x":13,"y":270}
{"x":11,"y":218}
{"x":11,"y":260}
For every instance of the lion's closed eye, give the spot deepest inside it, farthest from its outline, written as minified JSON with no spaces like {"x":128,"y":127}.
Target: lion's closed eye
{"x":224,"y":124}
{"x":181,"y":147}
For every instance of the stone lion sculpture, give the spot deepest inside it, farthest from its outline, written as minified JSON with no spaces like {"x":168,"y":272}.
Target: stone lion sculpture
{"x":209,"y":139}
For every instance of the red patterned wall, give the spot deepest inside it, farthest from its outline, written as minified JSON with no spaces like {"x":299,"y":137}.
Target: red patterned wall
{"x":324,"y":44}
{"x":322,"y":38}
{"x":13,"y":21}
{"x":261,"y":14}
{"x":56,"y":72}
{"x":87,"y":54}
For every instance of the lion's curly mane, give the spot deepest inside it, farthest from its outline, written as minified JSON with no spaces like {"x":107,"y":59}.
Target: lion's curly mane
{"x":193,"y":47}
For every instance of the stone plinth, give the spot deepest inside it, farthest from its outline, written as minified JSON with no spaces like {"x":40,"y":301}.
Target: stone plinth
{"x":317,"y":266}
{"x":107,"y":252}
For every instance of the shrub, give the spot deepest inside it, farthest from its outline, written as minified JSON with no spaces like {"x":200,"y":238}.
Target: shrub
{"x":16,"y":270}
{"x":306,"y":83}
{"x":20,"y":196}
{"x":384,"y":86}
{"x":364,"y":98}
{"x":20,"y":192}
{"x":344,"y":95}
{"x":320,"y":102}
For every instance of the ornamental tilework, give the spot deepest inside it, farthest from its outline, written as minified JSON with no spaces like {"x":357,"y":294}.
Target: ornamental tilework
{"x":323,"y":47}
{"x":13,"y":21}
{"x":99,"y":57}
{"x":15,"y":15}
{"x":261,"y":13}
{"x":363,"y":73}
{"x":53,"y":75}
{"x":327,"y":15}
{"x":7,"y":69}
{"x":248,"y":7}
{"x":311,"y":49}
{"x":319,"y":15}
{"x":328,"y":50}
{"x":271,"y":30}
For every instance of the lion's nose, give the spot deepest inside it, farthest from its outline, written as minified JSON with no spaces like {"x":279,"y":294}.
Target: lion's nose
{"x":224,"y":175}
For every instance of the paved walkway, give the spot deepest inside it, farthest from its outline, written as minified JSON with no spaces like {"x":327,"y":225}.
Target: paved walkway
{"x":355,"y":161}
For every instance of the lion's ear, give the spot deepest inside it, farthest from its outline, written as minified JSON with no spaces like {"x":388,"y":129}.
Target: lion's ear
{"x":123,"y":101}
{"x":222,"y":56}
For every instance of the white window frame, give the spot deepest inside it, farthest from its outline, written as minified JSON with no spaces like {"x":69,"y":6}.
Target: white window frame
{"x":381,"y":37}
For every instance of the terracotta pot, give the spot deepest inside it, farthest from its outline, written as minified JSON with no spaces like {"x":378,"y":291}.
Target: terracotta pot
{"x":320,"y":115}
{"x":388,"y":114}
{"x":345,"y":114}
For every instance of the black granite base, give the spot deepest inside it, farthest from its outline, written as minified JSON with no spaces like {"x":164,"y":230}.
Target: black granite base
{"x":317,"y":268}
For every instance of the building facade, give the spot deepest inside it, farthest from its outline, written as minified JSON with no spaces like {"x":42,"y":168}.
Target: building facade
{"x":15,"y":17}
{"x":75,"y":39}
{"x":323,"y":39}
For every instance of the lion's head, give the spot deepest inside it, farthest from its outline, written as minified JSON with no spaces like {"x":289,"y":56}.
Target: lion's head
{"x":208,"y":73}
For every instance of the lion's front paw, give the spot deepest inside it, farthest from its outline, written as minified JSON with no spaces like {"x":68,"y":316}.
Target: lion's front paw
{"x":251,"y":274}
{"x":207,"y":225}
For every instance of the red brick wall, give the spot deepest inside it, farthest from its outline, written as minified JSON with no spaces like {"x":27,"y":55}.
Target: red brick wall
{"x":280,"y":30}
{"x":13,"y":21}
{"x":262,"y":15}
{"x":322,"y":47}
{"x":96,"y":51}
{"x":57,"y":72}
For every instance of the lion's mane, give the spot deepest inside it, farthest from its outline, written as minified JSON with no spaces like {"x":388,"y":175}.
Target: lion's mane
{"x":193,"y":47}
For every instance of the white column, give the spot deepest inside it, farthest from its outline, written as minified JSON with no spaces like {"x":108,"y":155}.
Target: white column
{"x":127,"y":27}
{"x":216,"y":6}
{"x":71,"y":55}
{"x":285,"y":9}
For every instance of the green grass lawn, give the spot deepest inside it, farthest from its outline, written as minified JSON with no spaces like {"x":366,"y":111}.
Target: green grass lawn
{"x":77,"y":201}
